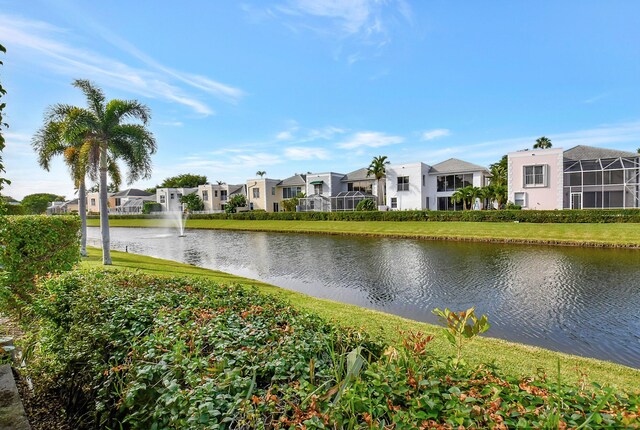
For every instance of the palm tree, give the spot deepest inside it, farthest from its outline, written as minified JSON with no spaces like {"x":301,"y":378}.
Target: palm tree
{"x":542,"y":143}
{"x":261,"y":173}
{"x":462,"y":195}
{"x":474,"y":193}
{"x":106,"y":139}
{"x":377,"y":169}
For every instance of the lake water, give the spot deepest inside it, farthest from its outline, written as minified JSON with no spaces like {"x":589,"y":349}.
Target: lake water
{"x":578,"y":300}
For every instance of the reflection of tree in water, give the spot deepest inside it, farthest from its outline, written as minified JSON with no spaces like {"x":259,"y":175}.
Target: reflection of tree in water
{"x":193,"y":256}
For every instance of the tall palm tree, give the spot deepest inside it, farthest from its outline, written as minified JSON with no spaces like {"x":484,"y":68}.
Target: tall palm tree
{"x":261,"y":173}
{"x":474,"y":193}
{"x":107,"y":138}
{"x":462,"y":195}
{"x":542,"y":143}
{"x":377,"y":168}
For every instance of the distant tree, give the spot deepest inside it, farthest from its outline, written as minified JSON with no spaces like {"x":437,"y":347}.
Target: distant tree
{"x":2,"y":145}
{"x":542,"y":143}
{"x":37,"y":204}
{"x":499,"y":171}
{"x":193,"y":202}
{"x":8,"y":199}
{"x":186,"y":180}
{"x":111,"y":188}
{"x":261,"y":173}
{"x":236,"y":201}
{"x":378,"y":170}
{"x":151,"y":190}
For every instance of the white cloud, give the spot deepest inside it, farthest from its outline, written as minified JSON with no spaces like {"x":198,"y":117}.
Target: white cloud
{"x":306,"y":153}
{"x":46,"y":46}
{"x":436,"y":133}
{"x":284,"y":135}
{"x":371,"y":139}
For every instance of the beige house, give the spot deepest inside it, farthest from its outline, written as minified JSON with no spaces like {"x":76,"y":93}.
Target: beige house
{"x":93,"y":203}
{"x":215,"y":196}
{"x":290,"y":187}
{"x":262,"y":194}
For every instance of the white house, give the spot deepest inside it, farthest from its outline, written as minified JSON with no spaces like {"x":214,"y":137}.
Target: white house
{"x":320,"y":187}
{"x":450,"y":175}
{"x":407,"y":186}
{"x":169,"y":198}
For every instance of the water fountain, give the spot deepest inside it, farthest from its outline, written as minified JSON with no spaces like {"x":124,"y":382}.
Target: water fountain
{"x":180,"y":219}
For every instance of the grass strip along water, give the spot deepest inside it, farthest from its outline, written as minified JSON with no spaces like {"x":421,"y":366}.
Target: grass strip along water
{"x":626,"y":235}
{"x":511,"y":358}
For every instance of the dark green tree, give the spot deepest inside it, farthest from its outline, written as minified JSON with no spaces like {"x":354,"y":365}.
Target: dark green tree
{"x":377,"y":168}
{"x":38,"y":203}
{"x":193,"y":202}
{"x":499,"y":171}
{"x":542,"y":143}
{"x":186,"y":180}
{"x":235,"y":202}
{"x":111,"y":188}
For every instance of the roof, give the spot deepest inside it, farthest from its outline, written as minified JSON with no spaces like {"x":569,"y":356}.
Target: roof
{"x":454,"y":165}
{"x":131,"y":192}
{"x":583,"y":152}
{"x":358,"y":175}
{"x":295,"y":180}
{"x":234,"y":189}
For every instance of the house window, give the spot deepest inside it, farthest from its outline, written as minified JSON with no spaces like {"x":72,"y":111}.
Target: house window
{"x":215,"y":193}
{"x":205,"y":196}
{"x":273,"y":191}
{"x":365,"y":187}
{"x":403,"y":183}
{"x":317,"y":189}
{"x":172,"y":196}
{"x":179,"y":196}
{"x":256,"y":193}
{"x":520,"y":199}
{"x":454,"y":182}
{"x":223,"y":194}
{"x":394,"y":203}
{"x":535,"y":176}
{"x":290,"y":192}
{"x":93,"y":202}
{"x":423,"y":180}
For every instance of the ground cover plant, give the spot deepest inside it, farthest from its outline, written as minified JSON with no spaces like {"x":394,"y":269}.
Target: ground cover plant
{"x":128,"y":350}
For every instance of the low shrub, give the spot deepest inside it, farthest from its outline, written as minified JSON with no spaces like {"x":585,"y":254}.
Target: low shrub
{"x":15,"y":209}
{"x":32,"y":246}
{"x":128,"y":350}
{"x":366,"y":205}
{"x":532,"y":216}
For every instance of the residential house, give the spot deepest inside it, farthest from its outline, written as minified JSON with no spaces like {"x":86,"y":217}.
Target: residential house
{"x":215,"y":196}
{"x":262,"y":194}
{"x":93,"y":202}
{"x":290,"y":188}
{"x":450,"y":175}
{"x":169,"y":198}
{"x":407,"y":186}
{"x":320,"y":187}
{"x":68,"y":207}
{"x":582,"y":177}
{"x":129,"y":201}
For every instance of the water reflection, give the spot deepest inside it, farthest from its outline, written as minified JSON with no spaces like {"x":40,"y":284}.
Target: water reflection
{"x":582,"y":301}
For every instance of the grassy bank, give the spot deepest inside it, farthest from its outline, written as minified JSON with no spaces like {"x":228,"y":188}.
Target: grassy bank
{"x":599,"y":235}
{"x":512,"y":359}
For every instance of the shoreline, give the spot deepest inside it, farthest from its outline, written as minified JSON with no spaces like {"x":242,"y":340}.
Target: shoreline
{"x":236,"y":225}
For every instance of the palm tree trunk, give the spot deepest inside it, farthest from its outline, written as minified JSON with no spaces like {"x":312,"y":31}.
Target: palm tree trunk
{"x":82,"y":209}
{"x":104,"y":210}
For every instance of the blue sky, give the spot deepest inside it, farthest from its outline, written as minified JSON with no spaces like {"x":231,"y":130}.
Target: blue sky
{"x":293,"y":86}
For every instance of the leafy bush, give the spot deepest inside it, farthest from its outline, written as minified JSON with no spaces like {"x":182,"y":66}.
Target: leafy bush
{"x":235,"y":202}
{"x":533,"y":216}
{"x":148,"y":207}
{"x":513,"y":206}
{"x":15,"y":210}
{"x":366,"y":205}
{"x":152,"y":352}
{"x":192,"y":201}
{"x":128,"y":350}
{"x":33,"y":246}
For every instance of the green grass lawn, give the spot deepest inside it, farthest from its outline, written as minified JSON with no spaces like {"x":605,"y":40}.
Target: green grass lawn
{"x":513,"y":359}
{"x":618,"y":234}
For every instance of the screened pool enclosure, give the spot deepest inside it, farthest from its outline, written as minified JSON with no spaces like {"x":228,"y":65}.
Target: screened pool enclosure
{"x":343,"y":201}
{"x":605,"y":183}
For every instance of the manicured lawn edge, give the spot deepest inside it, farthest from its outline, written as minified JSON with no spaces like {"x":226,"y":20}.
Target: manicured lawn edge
{"x":512,"y":358}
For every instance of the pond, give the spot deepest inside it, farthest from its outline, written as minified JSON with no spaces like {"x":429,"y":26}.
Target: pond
{"x":578,"y":300}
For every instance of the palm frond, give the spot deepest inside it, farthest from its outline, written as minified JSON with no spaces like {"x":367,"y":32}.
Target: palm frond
{"x":120,"y":110}
{"x":95,"y":96}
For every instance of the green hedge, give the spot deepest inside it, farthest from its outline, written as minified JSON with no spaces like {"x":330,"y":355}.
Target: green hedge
{"x":532,"y":216}
{"x":32,"y":246}
{"x":128,"y":350}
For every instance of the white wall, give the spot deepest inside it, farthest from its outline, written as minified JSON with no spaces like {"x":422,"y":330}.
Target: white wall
{"x":416,"y":196}
{"x":172,"y":204}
